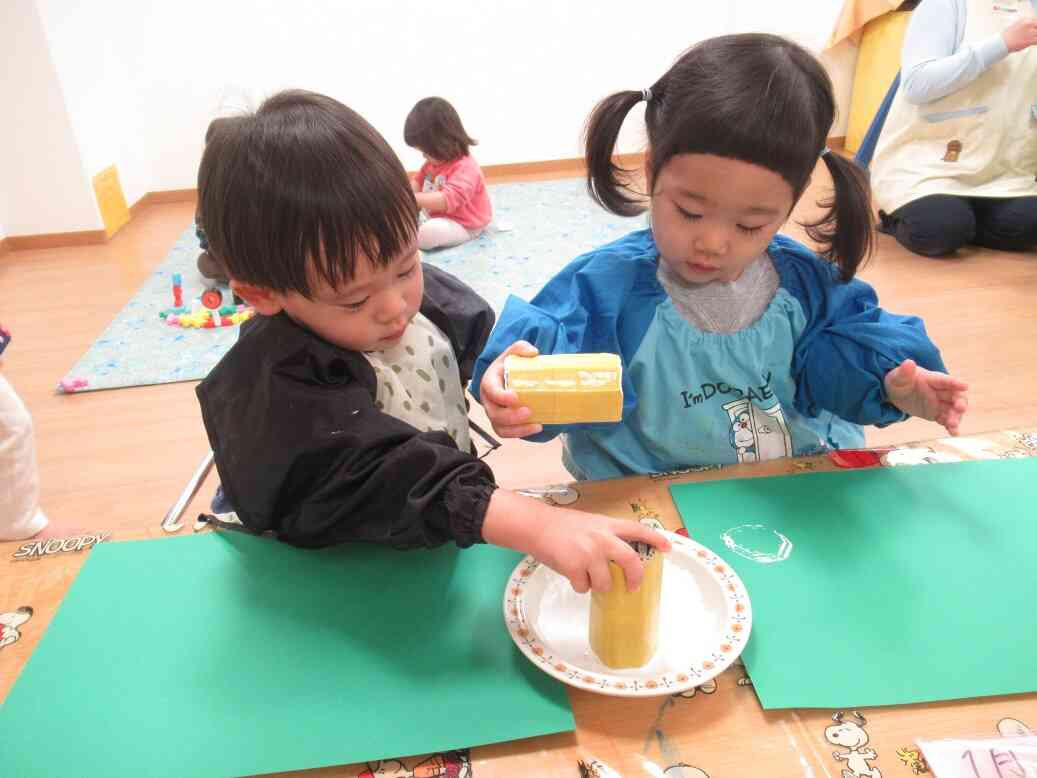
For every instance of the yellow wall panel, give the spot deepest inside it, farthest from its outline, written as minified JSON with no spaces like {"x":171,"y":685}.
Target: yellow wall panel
{"x":110,"y":200}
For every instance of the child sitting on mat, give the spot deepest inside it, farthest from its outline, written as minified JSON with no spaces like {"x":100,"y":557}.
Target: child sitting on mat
{"x":340,"y":415}
{"x":20,"y":513}
{"x":738,"y":344}
{"x":450,"y":185}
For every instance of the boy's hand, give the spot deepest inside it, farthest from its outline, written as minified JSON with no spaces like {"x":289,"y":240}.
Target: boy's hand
{"x":509,"y":419}
{"x":574,"y":544}
{"x":580,"y":545}
{"x":928,"y":394}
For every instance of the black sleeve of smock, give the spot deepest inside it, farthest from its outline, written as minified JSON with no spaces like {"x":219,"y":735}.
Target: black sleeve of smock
{"x":302,"y":451}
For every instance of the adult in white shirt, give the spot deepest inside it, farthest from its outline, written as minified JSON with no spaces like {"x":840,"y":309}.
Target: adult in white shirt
{"x":956,"y":162}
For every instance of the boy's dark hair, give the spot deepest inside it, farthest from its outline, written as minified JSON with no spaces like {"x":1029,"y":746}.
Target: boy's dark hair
{"x":752,"y":97}
{"x":433,"y":126}
{"x":304,"y":181}
{"x":219,"y":124}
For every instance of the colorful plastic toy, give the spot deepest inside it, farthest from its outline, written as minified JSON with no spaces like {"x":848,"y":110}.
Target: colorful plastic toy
{"x":214,"y":307}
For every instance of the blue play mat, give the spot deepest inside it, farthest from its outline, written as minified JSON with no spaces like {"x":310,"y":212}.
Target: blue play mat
{"x":540,"y":226}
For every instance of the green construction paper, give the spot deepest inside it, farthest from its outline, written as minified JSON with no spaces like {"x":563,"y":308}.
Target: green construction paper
{"x":903,"y":585}
{"x":225,"y":654}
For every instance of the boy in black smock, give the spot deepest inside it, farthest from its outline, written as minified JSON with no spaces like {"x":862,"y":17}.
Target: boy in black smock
{"x":340,"y":415}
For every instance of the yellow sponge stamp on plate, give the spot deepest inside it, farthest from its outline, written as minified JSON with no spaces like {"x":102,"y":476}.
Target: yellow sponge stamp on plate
{"x":624,"y":625}
{"x":567,"y":388}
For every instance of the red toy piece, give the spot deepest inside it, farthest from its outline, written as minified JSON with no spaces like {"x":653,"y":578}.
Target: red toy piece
{"x":212,"y":299}
{"x":857,"y":458}
{"x":178,"y":291}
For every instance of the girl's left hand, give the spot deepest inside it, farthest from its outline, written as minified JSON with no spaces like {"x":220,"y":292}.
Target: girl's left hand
{"x":928,"y":394}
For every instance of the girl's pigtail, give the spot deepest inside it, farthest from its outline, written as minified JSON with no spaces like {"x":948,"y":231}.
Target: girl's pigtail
{"x":846,"y":232}
{"x":605,"y":180}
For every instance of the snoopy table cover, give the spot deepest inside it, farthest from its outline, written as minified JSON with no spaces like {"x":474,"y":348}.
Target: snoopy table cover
{"x":718,"y":730}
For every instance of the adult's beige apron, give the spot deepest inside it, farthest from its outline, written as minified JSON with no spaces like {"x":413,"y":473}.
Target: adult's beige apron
{"x":980,"y":141}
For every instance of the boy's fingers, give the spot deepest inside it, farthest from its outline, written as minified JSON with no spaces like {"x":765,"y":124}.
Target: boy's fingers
{"x":634,"y":530}
{"x":601,"y":579}
{"x":580,"y":582}
{"x":630,"y":562}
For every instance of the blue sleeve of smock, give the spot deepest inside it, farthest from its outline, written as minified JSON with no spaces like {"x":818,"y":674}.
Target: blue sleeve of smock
{"x":848,"y":343}
{"x":934,"y":63}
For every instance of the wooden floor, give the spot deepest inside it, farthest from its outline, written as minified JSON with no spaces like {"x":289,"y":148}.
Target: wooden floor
{"x":115,"y":460}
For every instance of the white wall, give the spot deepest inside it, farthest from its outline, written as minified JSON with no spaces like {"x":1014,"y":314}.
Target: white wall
{"x":141,"y":80}
{"x":3,"y":204}
{"x":5,"y":180}
{"x":808,"y":24}
{"x":43,"y":184}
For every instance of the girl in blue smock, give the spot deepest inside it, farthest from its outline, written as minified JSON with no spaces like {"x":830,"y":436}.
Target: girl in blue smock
{"x":738,"y":344}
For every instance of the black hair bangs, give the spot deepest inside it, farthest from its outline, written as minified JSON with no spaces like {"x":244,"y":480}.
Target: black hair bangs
{"x":303,"y":190}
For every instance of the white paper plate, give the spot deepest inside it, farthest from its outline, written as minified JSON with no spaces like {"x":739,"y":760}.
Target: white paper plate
{"x":704,"y":623}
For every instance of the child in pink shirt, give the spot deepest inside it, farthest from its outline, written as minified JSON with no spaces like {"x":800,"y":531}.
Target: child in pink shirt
{"x":450,"y":185}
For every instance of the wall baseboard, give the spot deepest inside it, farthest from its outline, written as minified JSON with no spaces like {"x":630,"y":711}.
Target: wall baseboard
{"x":163,"y":196}
{"x":56,"y":240}
{"x":53,"y":240}
{"x":560,"y":168}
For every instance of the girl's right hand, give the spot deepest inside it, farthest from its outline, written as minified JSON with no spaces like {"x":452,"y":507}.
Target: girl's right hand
{"x":509,"y":419}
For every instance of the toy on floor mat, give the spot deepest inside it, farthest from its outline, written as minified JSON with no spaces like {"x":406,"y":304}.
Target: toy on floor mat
{"x":216,"y":306}
{"x":70,"y":384}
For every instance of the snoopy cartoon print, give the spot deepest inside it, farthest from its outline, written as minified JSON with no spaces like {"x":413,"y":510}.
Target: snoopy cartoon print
{"x":451,"y":764}
{"x":852,"y":735}
{"x":10,"y":622}
{"x":757,"y":434}
{"x":683,"y":770}
{"x":1013,"y":728}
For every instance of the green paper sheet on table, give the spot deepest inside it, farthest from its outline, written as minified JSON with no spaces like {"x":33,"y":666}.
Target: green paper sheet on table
{"x":227,"y":654}
{"x":902,"y":585}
